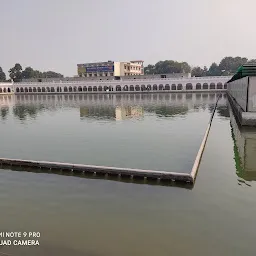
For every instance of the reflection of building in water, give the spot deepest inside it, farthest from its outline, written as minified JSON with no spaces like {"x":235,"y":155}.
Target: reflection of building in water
{"x":244,"y":149}
{"x":173,"y":99}
{"x":127,"y":112}
{"x":104,"y":112}
{"x":110,"y":112}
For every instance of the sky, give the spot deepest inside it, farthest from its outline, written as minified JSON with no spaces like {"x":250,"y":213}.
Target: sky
{"x":58,"y":34}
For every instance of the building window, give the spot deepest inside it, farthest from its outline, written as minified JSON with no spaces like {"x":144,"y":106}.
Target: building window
{"x":106,"y":74}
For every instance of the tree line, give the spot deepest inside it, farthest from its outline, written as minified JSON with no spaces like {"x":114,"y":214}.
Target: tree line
{"x":227,"y":66}
{"x":16,"y":74}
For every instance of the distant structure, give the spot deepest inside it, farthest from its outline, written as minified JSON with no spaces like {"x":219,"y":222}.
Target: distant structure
{"x":111,"y":68}
{"x":242,"y":94}
{"x":107,"y":78}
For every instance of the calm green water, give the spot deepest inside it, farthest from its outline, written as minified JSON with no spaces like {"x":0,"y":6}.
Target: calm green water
{"x":93,"y":217}
{"x":159,"y":132}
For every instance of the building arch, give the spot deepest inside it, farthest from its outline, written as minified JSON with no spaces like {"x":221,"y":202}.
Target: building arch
{"x":189,"y":86}
{"x":1,"y":90}
{"x":105,"y":88}
{"x":89,"y":89}
{"x":118,"y":88}
{"x":174,"y":87}
{"x":34,"y":89}
{"x":17,"y":89}
{"x":26,"y":89}
{"x":70,"y":89}
{"x":149,"y":87}
{"x":30,"y":89}
{"x":219,"y":86}
{"x":48,"y":89}
{"x":143,"y":87}
{"x":43,"y":89}
{"x":100,"y":88}
{"x":137,"y":88}
{"x":80,"y":88}
{"x":94,"y":88}
{"x":179,"y":87}
{"x":205,"y":86}
{"x":131,"y":88}
{"x":75,"y":89}
{"x":198,"y":86}
{"x":225,"y":86}
{"x":161,"y":87}
{"x":84,"y":89}
{"x":65,"y":89}
{"x":21,"y":89}
{"x":154,"y":87}
{"x":52,"y":89}
{"x":38,"y":89}
{"x":167,"y":87}
{"x":126,"y":88}
{"x":212,"y":86}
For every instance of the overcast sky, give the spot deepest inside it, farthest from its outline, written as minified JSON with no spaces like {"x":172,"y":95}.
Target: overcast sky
{"x":58,"y":34}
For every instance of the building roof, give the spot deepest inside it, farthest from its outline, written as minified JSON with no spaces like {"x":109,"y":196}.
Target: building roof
{"x":137,"y":61}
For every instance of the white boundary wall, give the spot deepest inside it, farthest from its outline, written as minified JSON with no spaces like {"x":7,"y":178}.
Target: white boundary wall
{"x":137,"y":85}
{"x":243,"y":92}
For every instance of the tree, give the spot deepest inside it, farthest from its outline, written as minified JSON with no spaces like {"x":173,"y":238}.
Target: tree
{"x":214,"y":70}
{"x":229,"y":65}
{"x":149,"y":69}
{"x":185,"y":68}
{"x":15,"y":73}
{"x":168,"y":67}
{"x":205,"y":71}
{"x":252,"y":61}
{"x":2,"y":75}
{"x":27,"y":73}
{"x":197,"y":71}
{"x":51,"y":74}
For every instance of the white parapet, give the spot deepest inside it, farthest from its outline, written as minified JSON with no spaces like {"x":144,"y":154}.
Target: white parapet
{"x":243,"y":92}
{"x":6,"y":88}
{"x":116,"y":86}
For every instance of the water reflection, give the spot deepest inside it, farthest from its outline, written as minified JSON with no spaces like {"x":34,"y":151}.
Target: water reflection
{"x":127,"y":112}
{"x":223,"y":111}
{"x":102,"y":112}
{"x":4,"y":112}
{"x":169,"y":111}
{"x":69,"y":128}
{"x":123,"y":113}
{"x":244,"y":150}
{"x":111,"y":107}
{"x":111,"y":112}
{"x":22,"y":112}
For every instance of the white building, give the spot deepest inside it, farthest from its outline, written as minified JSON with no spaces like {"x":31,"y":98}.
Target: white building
{"x":111,"y":68}
{"x":6,"y":88}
